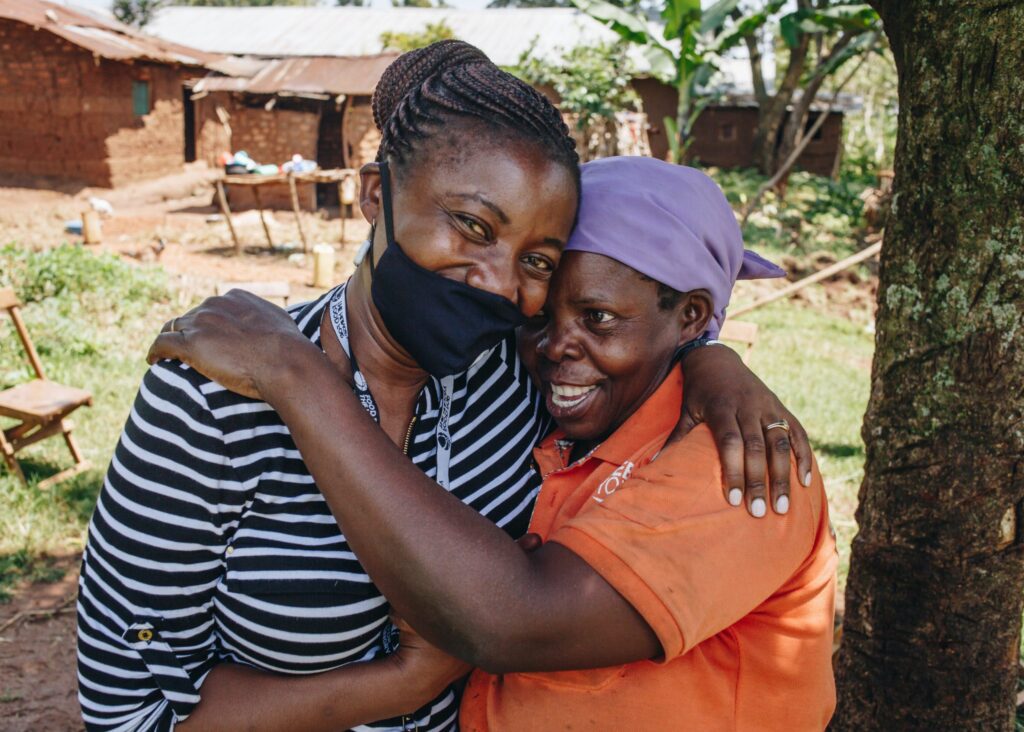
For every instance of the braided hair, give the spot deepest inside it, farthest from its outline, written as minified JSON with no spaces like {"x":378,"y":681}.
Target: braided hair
{"x":426,"y":90}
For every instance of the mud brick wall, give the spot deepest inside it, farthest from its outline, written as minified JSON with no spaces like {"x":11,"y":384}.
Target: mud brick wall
{"x":360,"y":138}
{"x":213,"y":136}
{"x":274,"y":136}
{"x":67,"y":114}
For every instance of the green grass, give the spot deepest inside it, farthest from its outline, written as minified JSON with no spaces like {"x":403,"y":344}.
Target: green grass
{"x":92,"y":319}
{"x":820,"y":366}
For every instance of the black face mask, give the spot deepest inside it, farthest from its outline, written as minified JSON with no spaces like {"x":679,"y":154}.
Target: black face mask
{"x":443,"y":324}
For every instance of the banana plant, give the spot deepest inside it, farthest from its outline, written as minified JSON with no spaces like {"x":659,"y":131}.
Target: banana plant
{"x":680,"y":53}
{"x":683,"y":53}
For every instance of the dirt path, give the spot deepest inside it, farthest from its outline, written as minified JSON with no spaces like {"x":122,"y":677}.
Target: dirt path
{"x":174,"y":222}
{"x":38,"y":690}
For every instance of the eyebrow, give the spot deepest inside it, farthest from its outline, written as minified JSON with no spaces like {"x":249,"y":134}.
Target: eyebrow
{"x":590,"y":300}
{"x":480,"y":198}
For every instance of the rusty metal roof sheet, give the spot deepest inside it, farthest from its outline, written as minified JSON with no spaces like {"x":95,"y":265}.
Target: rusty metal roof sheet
{"x":105,"y":38}
{"x":334,"y":75}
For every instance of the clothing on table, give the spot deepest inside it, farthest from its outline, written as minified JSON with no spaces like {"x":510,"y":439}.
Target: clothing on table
{"x":743,"y":608}
{"x":211,"y":543}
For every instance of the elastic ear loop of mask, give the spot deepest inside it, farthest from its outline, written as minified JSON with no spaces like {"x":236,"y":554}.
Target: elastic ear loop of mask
{"x":389,"y":223}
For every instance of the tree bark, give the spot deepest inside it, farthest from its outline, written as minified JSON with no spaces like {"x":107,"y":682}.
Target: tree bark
{"x":934,"y":598}
{"x":772,"y":114}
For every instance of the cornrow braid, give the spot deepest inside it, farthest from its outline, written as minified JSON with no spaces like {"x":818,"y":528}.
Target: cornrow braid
{"x":427,"y":88}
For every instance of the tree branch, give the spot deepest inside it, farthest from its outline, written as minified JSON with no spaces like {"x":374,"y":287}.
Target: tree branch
{"x":798,"y":150}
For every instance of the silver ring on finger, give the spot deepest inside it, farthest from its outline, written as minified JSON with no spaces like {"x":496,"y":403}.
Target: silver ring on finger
{"x":174,"y":325}
{"x":781,"y":424}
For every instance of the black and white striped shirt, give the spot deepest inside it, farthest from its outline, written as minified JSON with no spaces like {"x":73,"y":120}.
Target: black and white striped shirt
{"x":210,"y":541}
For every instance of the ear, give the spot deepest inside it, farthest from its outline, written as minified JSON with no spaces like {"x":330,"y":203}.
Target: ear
{"x":369,"y":191}
{"x":694,"y":312}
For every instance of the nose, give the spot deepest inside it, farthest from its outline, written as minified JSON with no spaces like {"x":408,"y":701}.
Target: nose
{"x":495,"y":277}
{"x":558,"y":343}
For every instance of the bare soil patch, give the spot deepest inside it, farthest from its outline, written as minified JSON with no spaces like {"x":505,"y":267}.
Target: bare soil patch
{"x":38,"y":686}
{"x":174,"y":221}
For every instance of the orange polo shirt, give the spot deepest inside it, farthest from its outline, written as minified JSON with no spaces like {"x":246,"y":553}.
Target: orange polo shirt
{"x":743,"y":607}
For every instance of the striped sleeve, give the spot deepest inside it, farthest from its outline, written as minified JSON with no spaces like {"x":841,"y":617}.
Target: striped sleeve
{"x":154,"y":557}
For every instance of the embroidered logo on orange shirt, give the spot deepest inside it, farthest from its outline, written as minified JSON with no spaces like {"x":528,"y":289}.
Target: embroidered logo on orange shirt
{"x":612,"y":483}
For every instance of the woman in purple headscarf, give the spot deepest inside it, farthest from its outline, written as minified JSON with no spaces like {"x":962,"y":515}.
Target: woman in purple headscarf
{"x":683,"y":613}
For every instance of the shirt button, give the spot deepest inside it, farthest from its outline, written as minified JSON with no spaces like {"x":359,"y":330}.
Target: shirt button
{"x":230,"y":550}
{"x":145,"y":635}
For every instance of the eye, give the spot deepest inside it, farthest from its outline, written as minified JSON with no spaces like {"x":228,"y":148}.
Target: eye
{"x":475,"y":227}
{"x":541,"y":264}
{"x":599,"y":317}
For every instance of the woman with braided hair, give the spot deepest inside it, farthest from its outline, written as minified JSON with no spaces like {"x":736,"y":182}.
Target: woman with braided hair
{"x":217,"y":590}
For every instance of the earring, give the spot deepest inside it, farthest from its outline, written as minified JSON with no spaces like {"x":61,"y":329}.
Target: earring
{"x":361,"y":254}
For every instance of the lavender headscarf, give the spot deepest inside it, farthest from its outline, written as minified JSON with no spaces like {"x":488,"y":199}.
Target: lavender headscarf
{"x":669,"y":222}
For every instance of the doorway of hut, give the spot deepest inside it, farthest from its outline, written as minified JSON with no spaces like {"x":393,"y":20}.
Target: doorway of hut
{"x":329,"y":151}
{"x":189,"y":108}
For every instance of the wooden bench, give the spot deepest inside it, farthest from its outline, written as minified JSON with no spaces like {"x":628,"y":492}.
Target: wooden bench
{"x":40,"y":406}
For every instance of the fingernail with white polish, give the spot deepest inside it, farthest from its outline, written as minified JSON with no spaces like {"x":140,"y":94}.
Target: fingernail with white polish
{"x":782,"y":504}
{"x":757,"y":507}
{"x":807,"y":479}
{"x":735,"y":496}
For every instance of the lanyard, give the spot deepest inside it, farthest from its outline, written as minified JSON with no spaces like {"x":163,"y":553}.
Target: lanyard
{"x":339,"y":319}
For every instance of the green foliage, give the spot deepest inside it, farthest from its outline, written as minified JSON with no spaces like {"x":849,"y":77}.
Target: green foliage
{"x":136,"y":12}
{"x":71,"y":272}
{"x":817,"y":214}
{"x":686,"y":64}
{"x":870,"y":130}
{"x":592,"y":81}
{"x":80,"y":299}
{"x":242,"y":3}
{"x":433,"y":32}
{"x":844,"y":17}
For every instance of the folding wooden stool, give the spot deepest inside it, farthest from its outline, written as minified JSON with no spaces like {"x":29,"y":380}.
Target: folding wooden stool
{"x":41,"y":406}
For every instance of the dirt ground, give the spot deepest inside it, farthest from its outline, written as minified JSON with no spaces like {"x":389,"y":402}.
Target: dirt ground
{"x":38,"y":690}
{"x":174,"y":221}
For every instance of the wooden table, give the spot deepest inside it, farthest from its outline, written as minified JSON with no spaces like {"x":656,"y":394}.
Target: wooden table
{"x":335,"y":176}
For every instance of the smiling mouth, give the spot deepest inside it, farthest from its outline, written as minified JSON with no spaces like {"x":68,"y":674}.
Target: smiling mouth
{"x":569,"y":400}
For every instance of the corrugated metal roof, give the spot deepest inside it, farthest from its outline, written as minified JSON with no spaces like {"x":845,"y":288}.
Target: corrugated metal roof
{"x":502,"y":33}
{"x":105,"y":38}
{"x":334,"y":75}
{"x":243,"y":66}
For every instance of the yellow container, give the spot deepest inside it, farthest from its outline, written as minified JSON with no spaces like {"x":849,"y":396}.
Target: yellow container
{"x":323,"y":266}
{"x":92,"y":232}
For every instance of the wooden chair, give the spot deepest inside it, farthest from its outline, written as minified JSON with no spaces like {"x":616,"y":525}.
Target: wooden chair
{"x":41,"y":406}
{"x":740,"y":332}
{"x":279,"y":290}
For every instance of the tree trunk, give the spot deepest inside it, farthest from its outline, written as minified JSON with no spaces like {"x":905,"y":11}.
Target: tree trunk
{"x":934,"y":597}
{"x":796,"y":123}
{"x":772,"y":114}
